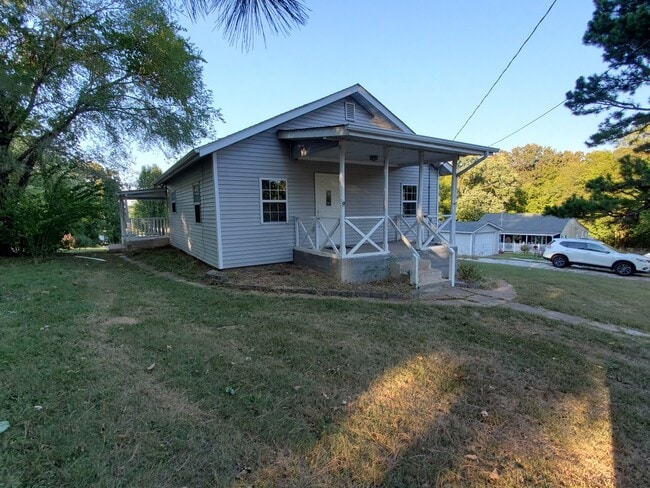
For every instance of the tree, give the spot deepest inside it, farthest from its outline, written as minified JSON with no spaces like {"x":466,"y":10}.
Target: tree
{"x":86,"y":79}
{"x":622,"y":29}
{"x":623,"y":199}
{"x":490,"y":187}
{"x":242,"y":20}
{"x":149,"y":208}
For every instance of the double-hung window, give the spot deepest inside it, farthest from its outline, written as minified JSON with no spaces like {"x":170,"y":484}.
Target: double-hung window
{"x":409,"y":200}
{"x":196,"y":192}
{"x":274,"y":200}
{"x":173,"y":199}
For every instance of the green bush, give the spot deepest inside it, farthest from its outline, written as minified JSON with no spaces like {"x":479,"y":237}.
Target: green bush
{"x":524,"y":248}
{"x":470,"y":272}
{"x":48,"y":209}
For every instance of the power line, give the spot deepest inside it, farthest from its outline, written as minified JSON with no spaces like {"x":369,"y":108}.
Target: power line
{"x":563,"y":101}
{"x":529,"y":123}
{"x":504,"y":70}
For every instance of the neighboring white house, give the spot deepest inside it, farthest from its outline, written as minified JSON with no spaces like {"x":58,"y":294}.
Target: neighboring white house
{"x":532,"y":229}
{"x":475,"y":238}
{"x":335,"y":183}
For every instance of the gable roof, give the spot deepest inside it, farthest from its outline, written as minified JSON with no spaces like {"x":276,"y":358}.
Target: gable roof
{"x":445,"y":149}
{"x":470,"y":227}
{"x":359,"y":93}
{"x":527,"y":223}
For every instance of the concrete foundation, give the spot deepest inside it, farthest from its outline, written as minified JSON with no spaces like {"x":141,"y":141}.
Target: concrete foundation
{"x":354,"y":270}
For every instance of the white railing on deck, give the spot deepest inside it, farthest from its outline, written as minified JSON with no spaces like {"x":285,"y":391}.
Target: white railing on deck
{"x":147,"y":227}
{"x":377,"y":224}
{"x":452,"y":252}
{"x":415,"y":256}
{"x":365,"y":234}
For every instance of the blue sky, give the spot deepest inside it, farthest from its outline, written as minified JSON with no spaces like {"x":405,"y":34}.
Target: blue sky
{"x":429,"y":61}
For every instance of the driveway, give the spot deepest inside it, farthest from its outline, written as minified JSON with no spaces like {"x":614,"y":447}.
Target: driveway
{"x":571,"y":269}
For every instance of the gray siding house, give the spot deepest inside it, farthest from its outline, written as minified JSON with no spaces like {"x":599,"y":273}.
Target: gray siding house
{"x":532,"y":229}
{"x":338,"y":184}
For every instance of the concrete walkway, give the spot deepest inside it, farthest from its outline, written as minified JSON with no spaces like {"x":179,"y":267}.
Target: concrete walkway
{"x":504,"y":295}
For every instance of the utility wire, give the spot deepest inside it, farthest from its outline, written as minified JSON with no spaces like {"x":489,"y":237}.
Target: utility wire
{"x":563,"y":101}
{"x":504,"y":70}
{"x":529,"y":123}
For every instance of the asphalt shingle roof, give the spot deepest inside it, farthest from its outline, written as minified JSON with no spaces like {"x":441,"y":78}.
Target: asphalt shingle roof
{"x":526,"y":223}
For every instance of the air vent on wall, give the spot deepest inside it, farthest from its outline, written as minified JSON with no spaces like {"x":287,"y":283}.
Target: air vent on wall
{"x":350,"y":111}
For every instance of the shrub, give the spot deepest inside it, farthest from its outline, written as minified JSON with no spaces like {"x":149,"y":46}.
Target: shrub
{"x":470,"y":272}
{"x":48,"y":209}
{"x":525,"y":248}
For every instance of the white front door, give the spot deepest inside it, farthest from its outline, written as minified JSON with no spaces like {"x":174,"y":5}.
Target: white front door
{"x":328,"y":206}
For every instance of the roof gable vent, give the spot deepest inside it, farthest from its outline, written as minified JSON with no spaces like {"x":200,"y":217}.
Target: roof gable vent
{"x":350,"y":109}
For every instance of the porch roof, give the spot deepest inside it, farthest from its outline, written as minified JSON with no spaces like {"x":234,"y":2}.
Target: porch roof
{"x":366,"y":146}
{"x":147,"y":194}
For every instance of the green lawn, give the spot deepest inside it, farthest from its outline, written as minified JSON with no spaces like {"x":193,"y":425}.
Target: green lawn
{"x":111,"y":376}
{"x":604,"y":298}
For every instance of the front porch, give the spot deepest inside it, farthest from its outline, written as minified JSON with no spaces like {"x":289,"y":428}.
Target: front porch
{"x":377,"y":248}
{"x":358,"y":248}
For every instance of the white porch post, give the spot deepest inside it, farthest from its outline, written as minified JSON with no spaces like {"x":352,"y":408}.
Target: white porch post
{"x":386,"y":162}
{"x":452,"y":230}
{"x":123,"y":217}
{"x":342,"y":195}
{"x":419,"y":213}
{"x":454,"y":198}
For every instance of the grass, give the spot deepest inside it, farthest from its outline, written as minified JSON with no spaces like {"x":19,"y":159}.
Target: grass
{"x":115,"y":377}
{"x":528,"y":256}
{"x":603,"y":298}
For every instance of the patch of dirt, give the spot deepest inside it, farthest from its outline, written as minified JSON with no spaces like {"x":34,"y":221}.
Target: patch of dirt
{"x":291,"y":278}
{"x":120,"y":321}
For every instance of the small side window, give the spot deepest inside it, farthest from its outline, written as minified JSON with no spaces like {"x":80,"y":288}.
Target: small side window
{"x":173,"y":199}
{"x":196,"y":192}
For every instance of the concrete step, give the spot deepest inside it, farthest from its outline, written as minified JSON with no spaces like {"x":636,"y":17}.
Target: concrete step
{"x":428,"y":273}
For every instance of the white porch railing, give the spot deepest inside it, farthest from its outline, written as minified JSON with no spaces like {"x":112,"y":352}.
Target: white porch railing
{"x":434,"y":233}
{"x":322,"y":235}
{"x":415,"y":256}
{"x":147,"y":227}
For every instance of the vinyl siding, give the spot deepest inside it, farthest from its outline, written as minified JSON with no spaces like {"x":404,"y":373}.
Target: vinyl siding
{"x":246,"y":240}
{"x":196,"y":239}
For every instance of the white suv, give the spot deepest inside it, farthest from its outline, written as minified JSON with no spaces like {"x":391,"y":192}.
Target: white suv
{"x":565,"y":252}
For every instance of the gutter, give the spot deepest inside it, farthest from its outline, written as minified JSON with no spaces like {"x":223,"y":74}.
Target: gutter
{"x":190,"y":158}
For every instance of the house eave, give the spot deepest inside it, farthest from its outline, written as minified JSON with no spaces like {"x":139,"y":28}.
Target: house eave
{"x":438,"y":150}
{"x":187,"y":160}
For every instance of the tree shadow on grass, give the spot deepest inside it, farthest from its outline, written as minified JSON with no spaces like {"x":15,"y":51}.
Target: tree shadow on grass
{"x":478,"y":407}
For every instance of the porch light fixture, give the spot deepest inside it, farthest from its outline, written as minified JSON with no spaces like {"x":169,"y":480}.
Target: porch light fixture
{"x":373,"y":157}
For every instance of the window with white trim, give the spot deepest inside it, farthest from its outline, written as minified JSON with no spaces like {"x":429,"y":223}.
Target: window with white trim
{"x":274,"y":200}
{"x":196,"y":192}
{"x":409,"y":200}
{"x":173,"y":199}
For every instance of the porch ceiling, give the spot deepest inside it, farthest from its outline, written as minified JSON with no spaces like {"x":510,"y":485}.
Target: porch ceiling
{"x":366,"y":146}
{"x":147,"y":194}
